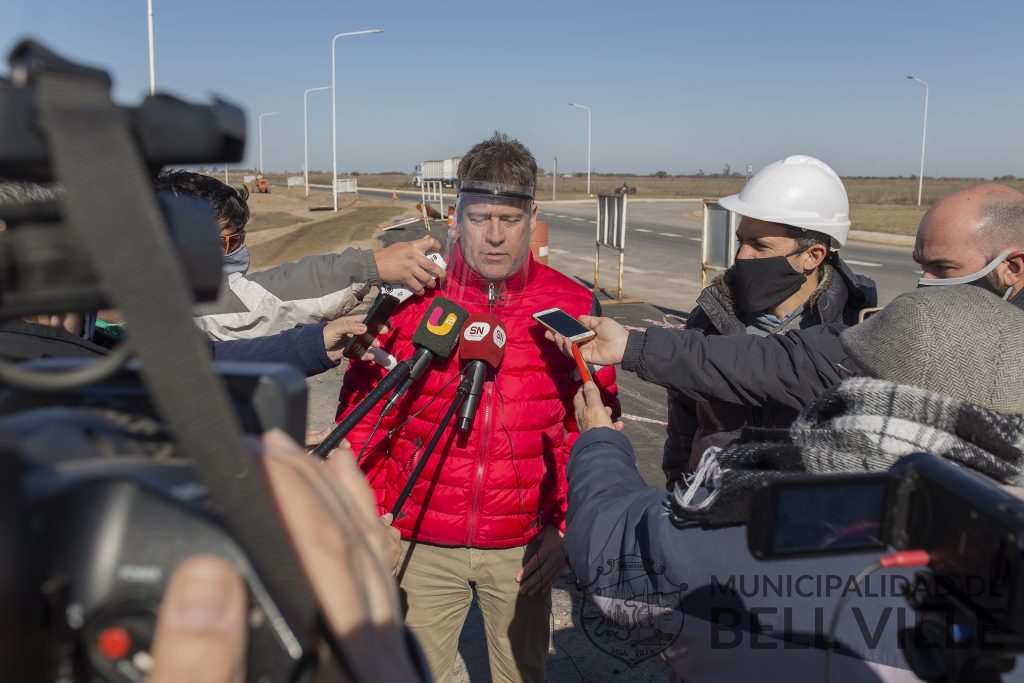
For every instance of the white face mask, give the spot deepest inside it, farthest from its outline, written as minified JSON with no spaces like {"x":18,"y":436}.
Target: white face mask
{"x":978,"y":278}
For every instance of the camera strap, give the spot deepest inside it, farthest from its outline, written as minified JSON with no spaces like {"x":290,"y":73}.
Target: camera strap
{"x":95,"y":157}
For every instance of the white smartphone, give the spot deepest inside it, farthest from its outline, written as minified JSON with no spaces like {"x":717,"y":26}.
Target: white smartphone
{"x":560,"y":322}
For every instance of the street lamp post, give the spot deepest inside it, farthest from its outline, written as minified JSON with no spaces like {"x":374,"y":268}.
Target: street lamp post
{"x":334,"y":125}
{"x":573,"y":104}
{"x":924,"y":136}
{"x":554,"y":179}
{"x":305,"y":132}
{"x":152,"y":68}
{"x":270,"y":113}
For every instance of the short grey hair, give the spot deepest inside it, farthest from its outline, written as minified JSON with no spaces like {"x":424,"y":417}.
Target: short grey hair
{"x":499,"y":159}
{"x":1001,"y":225}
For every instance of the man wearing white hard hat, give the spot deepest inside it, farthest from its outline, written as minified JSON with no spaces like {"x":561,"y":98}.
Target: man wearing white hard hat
{"x":973,"y":237}
{"x":787,"y":276}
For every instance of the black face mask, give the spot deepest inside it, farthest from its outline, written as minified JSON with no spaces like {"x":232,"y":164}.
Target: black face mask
{"x":760,"y":283}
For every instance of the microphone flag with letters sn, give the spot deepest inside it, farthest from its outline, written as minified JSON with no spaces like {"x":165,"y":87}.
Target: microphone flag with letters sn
{"x":483,"y":338}
{"x":483,"y":346}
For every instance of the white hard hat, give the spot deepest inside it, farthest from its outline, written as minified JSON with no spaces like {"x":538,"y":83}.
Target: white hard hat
{"x":800,"y":191}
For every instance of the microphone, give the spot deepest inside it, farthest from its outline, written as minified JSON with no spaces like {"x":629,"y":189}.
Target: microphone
{"x":436,"y":337}
{"x":483,"y":345}
{"x":383,"y":306}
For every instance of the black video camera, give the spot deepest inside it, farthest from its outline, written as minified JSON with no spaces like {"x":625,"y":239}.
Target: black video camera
{"x":109,"y":479}
{"x":970,"y":602}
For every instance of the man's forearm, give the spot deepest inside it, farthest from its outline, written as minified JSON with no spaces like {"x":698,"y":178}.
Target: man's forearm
{"x":778,"y":370}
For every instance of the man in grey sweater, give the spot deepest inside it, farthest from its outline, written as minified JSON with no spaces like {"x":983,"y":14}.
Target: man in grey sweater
{"x":314,"y":289}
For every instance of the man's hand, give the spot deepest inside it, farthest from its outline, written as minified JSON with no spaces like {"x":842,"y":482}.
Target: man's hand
{"x":543,"y":565}
{"x":395,"y":536}
{"x":591,"y":413}
{"x":201,"y":631}
{"x":314,"y":437}
{"x":607,"y":348}
{"x":331,"y":518}
{"x":338,"y":331}
{"x":405,"y":263}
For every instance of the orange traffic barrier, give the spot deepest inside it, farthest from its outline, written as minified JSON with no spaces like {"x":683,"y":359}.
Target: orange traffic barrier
{"x":539,"y":242}
{"x":429,"y":210}
{"x":394,"y":194}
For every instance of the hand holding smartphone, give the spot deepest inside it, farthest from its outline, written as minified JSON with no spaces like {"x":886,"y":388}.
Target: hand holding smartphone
{"x":560,"y":322}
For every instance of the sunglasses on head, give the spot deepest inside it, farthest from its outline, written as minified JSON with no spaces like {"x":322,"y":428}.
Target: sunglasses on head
{"x":233,"y":241}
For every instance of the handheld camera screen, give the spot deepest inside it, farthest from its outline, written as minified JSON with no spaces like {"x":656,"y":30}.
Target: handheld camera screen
{"x":557,"y":320}
{"x":829,"y":518}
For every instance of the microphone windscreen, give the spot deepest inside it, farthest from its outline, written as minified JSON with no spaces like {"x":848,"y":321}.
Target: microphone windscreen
{"x":483,"y":338}
{"x":438,"y":332}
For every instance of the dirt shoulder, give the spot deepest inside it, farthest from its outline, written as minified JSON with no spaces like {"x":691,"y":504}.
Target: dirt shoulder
{"x":283,"y":228}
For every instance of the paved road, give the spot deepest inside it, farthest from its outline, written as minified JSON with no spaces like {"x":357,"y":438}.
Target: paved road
{"x":662,"y":264}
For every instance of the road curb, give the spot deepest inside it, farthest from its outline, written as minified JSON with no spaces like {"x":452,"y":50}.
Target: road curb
{"x":862,"y":236}
{"x":882,"y":238}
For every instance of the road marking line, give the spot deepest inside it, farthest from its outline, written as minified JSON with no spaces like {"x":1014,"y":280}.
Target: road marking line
{"x":866,"y":264}
{"x":668,"y":234}
{"x":552,"y":250}
{"x":631,"y":269}
{"x":695,"y":239}
{"x":573,"y":218}
{"x":642,"y":230}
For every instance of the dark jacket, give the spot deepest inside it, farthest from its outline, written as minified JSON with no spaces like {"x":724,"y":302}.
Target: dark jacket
{"x":778,"y":371}
{"x":696,"y":425}
{"x":301,"y":347}
{"x":696,"y":594}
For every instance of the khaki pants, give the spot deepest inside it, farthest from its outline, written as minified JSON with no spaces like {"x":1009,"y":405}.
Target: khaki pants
{"x":437,"y":585}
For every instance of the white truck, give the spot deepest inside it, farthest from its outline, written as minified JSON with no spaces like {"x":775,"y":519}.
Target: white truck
{"x":440,"y":170}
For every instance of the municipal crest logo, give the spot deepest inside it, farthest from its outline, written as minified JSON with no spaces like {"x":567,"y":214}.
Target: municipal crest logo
{"x":631,"y":611}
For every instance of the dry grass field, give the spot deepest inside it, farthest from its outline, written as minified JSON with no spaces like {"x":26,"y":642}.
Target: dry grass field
{"x":877,"y":204}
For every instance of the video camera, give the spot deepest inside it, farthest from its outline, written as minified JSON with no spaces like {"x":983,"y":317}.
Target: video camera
{"x":970,"y":601}
{"x":112,"y":472}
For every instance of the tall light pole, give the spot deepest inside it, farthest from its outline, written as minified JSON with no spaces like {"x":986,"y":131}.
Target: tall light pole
{"x":334,"y":123}
{"x":924,"y":136}
{"x":305,"y":132}
{"x":270,"y":113}
{"x":152,"y":68}
{"x":554,"y":179}
{"x":573,"y":104}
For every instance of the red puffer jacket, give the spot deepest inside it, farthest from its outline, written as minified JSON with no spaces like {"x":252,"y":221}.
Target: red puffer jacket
{"x":499,"y":484}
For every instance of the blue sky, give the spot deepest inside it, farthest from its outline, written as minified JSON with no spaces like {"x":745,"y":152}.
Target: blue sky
{"x":675,"y":86}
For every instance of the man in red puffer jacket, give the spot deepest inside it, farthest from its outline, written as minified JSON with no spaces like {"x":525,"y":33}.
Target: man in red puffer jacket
{"x":488,"y":512}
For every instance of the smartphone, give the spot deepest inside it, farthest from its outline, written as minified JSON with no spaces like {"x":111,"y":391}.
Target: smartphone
{"x":381,"y":309}
{"x":560,"y":322}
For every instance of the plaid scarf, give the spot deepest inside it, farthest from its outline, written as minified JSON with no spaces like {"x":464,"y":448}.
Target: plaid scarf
{"x":863,"y":425}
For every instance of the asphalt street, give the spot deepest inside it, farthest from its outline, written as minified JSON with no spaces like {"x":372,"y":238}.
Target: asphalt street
{"x":663,"y":241}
